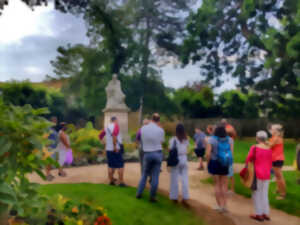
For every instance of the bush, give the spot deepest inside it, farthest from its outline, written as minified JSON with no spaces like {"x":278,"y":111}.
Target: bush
{"x":22,"y":142}
{"x":85,"y":143}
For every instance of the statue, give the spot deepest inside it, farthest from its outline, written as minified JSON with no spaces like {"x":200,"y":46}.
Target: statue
{"x":115,"y":106}
{"x":115,"y":96}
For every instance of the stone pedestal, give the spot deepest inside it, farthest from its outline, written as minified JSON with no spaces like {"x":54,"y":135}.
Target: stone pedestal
{"x":116,"y":106}
{"x":122,"y":115}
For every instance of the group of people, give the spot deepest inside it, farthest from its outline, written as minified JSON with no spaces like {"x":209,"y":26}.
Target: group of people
{"x":216,"y":145}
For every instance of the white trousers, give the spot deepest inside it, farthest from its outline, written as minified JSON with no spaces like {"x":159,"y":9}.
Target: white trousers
{"x":179,"y":173}
{"x":260,"y":197}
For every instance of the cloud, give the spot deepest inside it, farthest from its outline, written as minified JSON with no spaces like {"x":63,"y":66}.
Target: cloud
{"x":29,"y":43}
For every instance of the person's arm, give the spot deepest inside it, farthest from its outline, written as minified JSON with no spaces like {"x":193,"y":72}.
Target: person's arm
{"x":63,"y":138}
{"x":250,"y":156}
{"x":208,"y":152}
{"x":232,"y":146}
{"x":115,"y":134}
{"x":273,"y":141}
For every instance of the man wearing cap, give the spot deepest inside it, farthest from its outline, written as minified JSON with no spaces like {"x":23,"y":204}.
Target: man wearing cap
{"x":113,"y":151}
{"x":152,"y":137}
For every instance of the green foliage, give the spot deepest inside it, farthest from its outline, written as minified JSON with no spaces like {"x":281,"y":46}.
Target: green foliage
{"x":235,"y":104}
{"x":22,"y":139}
{"x":196,"y":102}
{"x":85,"y":142}
{"x":255,"y":41}
{"x":130,"y":211}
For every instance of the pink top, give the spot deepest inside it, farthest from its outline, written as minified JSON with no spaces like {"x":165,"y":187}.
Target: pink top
{"x":263,"y":162}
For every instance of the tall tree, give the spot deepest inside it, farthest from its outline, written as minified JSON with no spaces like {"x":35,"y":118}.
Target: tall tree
{"x":256,"y":41}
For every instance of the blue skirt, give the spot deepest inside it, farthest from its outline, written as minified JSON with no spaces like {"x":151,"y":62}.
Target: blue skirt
{"x":115,"y":159}
{"x":215,"y":168}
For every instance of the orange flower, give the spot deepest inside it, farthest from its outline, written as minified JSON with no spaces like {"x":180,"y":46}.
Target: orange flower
{"x":75,"y":210}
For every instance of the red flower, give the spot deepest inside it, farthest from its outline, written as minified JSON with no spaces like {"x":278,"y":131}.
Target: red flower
{"x":103,"y":220}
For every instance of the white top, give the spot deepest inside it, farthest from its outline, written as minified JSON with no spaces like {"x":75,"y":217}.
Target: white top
{"x":61,"y":145}
{"x":109,"y":139}
{"x":152,"y":137}
{"x":182,"y":149}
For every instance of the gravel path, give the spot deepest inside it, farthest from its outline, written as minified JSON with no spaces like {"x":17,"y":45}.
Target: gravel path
{"x":202,"y":197}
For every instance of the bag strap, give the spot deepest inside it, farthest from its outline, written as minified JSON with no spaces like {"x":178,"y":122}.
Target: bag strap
{"x":174,"y":143}
{"x":112,"y":135}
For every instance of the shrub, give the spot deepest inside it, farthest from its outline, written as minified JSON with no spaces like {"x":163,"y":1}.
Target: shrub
{"x":85,"y":143}
{"x":22,"y":141}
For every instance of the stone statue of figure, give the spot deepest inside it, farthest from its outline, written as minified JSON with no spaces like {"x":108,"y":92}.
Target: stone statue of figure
{"x":114,"y":94}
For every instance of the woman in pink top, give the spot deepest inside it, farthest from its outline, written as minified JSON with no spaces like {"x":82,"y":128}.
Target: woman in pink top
{"x":261,"y":155}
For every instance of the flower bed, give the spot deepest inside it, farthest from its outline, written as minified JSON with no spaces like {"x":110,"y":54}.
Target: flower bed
{"x":63,"y":211}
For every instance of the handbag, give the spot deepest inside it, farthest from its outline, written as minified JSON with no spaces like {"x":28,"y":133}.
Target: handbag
{"x":172,"y":159}
{"x":248,"y":176}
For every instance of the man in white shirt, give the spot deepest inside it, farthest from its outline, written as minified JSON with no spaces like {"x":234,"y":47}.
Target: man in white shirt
{"x":152,"y":136}
{"x":114,"y":151}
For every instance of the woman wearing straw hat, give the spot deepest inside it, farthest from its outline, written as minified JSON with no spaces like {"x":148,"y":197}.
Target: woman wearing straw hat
{"x":261,"y":156}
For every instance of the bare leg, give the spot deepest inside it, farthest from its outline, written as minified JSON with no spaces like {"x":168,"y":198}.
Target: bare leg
{"x":121,"y":175}
{"x":232,"y":183}
{"x":224,"y":188}
{"x":200,"y":163}
{"x":111,"y":172}
{"x":281,"y":186}
{"x":217,"y":190}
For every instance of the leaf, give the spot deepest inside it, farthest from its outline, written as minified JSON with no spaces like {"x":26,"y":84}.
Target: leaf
{"x":4,"y":145}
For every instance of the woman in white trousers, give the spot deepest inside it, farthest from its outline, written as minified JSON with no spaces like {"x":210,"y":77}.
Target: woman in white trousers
{"x":180,"y":171}
{"x":261,"y":156}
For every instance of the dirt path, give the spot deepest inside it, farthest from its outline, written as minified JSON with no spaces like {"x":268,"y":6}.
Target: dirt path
{"x":202,"y":197}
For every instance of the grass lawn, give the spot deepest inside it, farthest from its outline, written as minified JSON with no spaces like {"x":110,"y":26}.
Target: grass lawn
{"x":122,"y":206}
{"x":291,"y":204}
{"x":241,"y":149}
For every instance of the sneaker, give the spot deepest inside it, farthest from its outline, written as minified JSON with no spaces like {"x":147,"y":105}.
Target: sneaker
{"x":122,"y":185}
{"x":112,"y":183}
{"x":153,"y":200}
{"x":62,"y":174}
{"x":257,"y":217}
{"x":138,"y":196}
{"x":218,"y":209}
{"x":185,"y":203}
{"x":225,"y":210}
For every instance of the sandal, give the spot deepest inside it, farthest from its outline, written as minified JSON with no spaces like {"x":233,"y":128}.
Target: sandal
{"x":49,"y":177}
{"x":62,"y":174}
{"x":257,"y":217}
{"x":266,"y":217}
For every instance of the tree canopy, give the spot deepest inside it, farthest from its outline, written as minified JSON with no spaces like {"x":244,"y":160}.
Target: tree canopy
{"x":253,"y":40}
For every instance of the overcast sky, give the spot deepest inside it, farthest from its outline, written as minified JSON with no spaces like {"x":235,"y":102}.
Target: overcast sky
{"x":29,"y":39}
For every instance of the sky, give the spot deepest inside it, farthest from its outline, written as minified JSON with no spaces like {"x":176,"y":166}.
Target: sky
{"x":29,"y":40}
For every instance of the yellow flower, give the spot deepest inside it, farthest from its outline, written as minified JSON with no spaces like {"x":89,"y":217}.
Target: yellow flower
{"x":79,"y":222}
{"x":75,"y":210}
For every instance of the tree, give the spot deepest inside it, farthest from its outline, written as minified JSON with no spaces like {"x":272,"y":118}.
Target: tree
{"x":196,"y":101}
{"x":235,"y":104}
{"x":252,"y":40}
